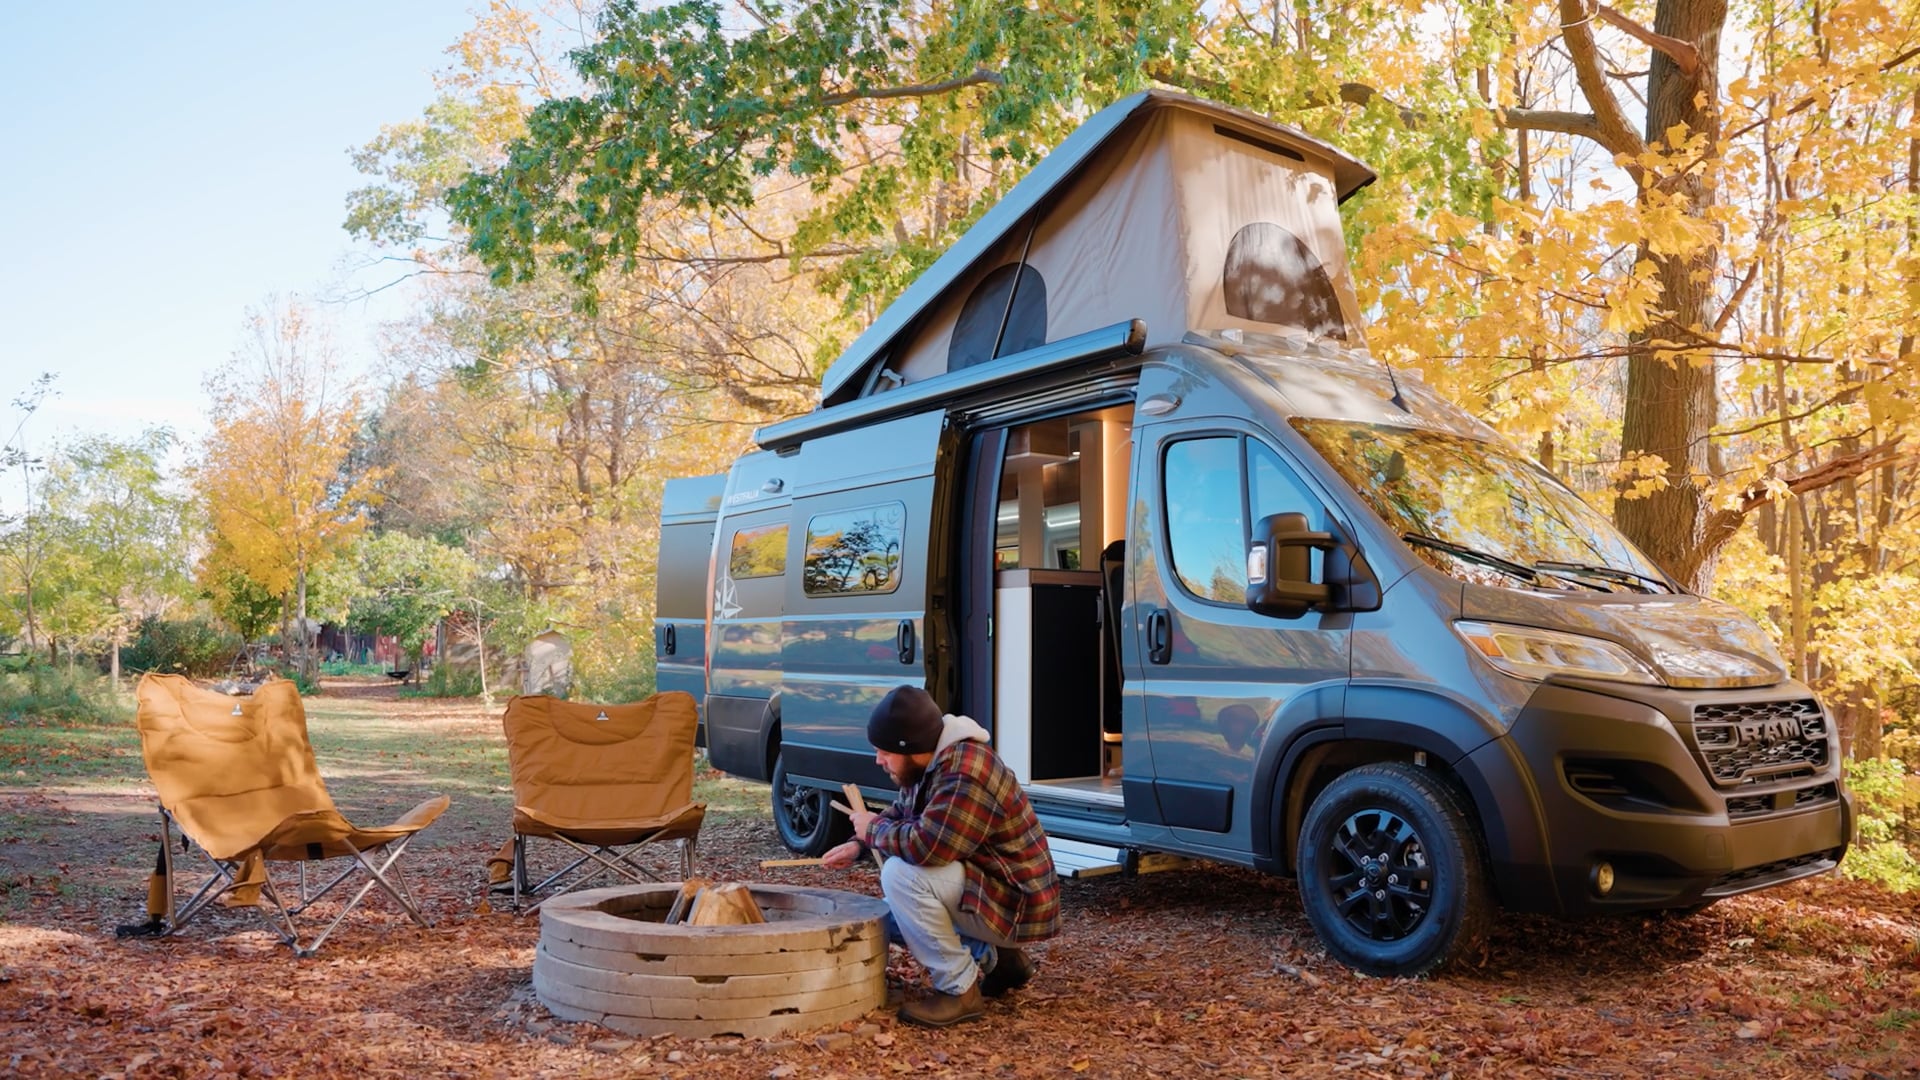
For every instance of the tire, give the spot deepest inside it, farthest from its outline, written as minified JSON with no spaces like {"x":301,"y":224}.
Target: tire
{"x":807,"y":824}
{"x":1392,"y":873}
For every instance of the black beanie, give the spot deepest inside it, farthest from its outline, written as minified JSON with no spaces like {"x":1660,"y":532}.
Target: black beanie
{"x":906,"y":722}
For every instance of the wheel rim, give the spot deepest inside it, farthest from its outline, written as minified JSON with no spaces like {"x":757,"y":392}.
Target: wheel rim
{"x":802,"y":806}
{"x":1378,"y":874}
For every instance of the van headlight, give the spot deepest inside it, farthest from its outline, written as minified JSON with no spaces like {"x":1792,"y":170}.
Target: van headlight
{"x":1532,"y":653}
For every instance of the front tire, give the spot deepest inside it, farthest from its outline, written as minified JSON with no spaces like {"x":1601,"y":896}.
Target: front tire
{"x":807,"y":824}
{"x":1392,"y":874}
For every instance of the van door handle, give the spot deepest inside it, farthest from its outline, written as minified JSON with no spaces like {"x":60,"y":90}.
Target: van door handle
{"x":903,"y":641}
{"x":667,"y":643}
{"x":1159,"y":637}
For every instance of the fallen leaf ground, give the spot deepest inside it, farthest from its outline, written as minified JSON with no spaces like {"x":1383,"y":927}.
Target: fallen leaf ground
{"x":1199,"y":972}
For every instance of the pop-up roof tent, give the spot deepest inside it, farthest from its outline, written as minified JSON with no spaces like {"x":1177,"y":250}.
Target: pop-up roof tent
{"x":1180,"y":213}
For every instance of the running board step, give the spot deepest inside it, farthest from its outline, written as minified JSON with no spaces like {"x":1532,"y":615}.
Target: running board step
{"x":1076,"y":859}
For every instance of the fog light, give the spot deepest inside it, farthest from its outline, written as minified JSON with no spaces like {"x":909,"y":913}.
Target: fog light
{"x":1602,"y":878}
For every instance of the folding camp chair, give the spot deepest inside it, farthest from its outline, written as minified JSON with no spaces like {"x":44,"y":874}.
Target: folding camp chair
{"x":237,"y":776}
{"x":613,"y":783}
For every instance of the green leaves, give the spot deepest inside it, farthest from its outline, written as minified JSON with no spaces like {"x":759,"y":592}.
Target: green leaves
{"x":887,"y":111}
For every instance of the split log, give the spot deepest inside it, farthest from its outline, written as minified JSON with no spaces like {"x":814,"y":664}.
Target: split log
{"x":731,"y":904}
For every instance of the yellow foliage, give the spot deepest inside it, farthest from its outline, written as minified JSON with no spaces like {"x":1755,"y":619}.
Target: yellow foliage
{"x":273,"y":472}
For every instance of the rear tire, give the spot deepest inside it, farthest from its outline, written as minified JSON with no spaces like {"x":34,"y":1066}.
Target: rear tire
{"x":807,"y":825}
{"x":1392,"y":874}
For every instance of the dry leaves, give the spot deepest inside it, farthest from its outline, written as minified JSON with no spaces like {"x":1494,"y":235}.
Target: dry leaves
{"x":1208,"y":970}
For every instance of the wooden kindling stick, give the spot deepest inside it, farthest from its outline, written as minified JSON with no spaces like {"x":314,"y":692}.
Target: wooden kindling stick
{"x":768,"y":864}
{"x":853,"y":796}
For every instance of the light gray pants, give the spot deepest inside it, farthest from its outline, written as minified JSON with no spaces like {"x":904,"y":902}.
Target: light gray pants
{"x":924,"y":915}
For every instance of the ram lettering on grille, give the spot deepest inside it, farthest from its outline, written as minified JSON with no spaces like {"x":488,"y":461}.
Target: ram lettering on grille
{"x":1768,"y":732}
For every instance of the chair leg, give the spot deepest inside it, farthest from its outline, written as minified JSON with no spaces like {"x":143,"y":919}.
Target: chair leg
{"x":520,"y":882}
{"x":376,"y":875}
{"x":218,"y":884}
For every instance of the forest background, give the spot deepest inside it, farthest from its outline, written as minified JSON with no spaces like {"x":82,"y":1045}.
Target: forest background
{"x":1670,"y":247}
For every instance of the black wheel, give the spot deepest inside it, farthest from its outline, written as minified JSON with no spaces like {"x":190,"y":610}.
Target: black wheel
{"x":1392,"y":875}
{"x":808,"y":826}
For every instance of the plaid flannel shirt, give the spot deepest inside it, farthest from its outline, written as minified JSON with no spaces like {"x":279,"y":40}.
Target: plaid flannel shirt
{"x":969,"y":809}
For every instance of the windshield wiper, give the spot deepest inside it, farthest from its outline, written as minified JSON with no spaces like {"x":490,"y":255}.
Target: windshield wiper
{"x":1461,"y":551}
{"x":1605,"y":573}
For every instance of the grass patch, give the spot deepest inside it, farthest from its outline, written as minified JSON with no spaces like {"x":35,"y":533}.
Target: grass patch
{"x":1897,"y":1019}
{"x":729,"y":795}
{"x":38,"y":694}
{"x":52,"y":753}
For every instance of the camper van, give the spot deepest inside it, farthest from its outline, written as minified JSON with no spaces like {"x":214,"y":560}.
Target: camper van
{"x":1118,"y":478}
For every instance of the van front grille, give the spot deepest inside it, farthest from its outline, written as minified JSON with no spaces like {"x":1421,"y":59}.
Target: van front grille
{"x":1755,"y":741}
{"x":1747,"y":806}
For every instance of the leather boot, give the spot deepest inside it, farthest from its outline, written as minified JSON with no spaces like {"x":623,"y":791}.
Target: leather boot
{"x":939,"y":1010}
{"x":1012,"y":971}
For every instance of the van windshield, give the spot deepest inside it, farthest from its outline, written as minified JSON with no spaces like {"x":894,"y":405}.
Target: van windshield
{"x":1480,"y":512}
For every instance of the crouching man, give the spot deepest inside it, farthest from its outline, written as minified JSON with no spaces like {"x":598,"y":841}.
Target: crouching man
{"x":968,"y":879}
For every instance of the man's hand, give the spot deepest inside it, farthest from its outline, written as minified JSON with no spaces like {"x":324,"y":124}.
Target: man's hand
{"x":862,"y":820}
{"x":842,"y":857}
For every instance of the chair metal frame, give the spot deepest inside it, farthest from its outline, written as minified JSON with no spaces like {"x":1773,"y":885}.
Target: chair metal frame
{"x":223,"y":881}
{"x":611,"y":860}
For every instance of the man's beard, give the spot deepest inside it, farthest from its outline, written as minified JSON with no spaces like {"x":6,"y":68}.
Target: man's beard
{"x":909,"y":774}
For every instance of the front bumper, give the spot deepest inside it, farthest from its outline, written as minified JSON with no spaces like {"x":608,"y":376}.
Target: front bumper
{"x":1686,"y":795}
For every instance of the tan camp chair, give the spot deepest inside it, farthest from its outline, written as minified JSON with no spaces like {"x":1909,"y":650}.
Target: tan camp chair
{"x":237,"y":775}
{"x":608,"y":781}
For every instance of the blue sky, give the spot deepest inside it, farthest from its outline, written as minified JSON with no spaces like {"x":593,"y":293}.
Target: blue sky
{"x":167,"y":166}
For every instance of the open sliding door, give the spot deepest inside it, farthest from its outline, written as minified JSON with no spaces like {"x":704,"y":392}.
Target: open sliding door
{"x":855,"y":622}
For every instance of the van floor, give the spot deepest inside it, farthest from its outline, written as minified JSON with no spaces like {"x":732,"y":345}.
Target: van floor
{"x":1100,"y":790}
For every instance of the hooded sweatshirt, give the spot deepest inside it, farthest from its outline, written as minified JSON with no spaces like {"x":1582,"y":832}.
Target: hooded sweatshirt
{"x":968,"y":808}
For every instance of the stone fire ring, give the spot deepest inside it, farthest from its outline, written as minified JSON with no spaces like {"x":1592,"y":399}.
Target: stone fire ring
{"x":606,"y":957}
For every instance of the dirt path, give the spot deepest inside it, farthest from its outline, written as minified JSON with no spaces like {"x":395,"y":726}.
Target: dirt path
{"x":1207,"y":971}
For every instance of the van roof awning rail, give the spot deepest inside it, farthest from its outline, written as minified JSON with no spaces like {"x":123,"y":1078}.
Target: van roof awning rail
{"x":1122,"y":339}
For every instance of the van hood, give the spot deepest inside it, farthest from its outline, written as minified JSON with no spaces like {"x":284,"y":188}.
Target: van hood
{"x":1691,"y":642}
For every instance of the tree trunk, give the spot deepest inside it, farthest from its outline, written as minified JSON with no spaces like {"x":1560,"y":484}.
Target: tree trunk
{"x":300,"y":627}
{"x":1671,"y":403}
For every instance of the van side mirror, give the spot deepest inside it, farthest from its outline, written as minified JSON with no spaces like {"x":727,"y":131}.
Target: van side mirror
{"x":1280,"y":567}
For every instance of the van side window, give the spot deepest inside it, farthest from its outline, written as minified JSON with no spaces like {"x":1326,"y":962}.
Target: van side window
{"x":855,"y":551}
{"x":1272,"y":488}
{"x":1206,"y":522}
{"x":760,"y":552}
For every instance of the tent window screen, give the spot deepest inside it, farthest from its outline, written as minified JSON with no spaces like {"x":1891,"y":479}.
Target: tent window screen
{"x":855,"y":551}
{"x":1271,"y":276}
{"x":760,"y":552}
{"x":977,"y":330}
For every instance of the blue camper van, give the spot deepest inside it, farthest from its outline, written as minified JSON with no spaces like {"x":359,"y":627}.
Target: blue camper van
{"x":1118,"y":478}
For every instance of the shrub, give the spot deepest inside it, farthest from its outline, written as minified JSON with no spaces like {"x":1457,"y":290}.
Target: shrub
{"x":446,"y":681}
{"x":192,"y":647}
{"x":36,"y":691}
{"x":1888,"y":801}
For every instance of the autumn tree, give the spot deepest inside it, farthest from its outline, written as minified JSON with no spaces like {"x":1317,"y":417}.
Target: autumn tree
{"x":271,"y":472}
{"x":402,"y":586}
{"x":550,"y":426}
{"x":120,"y":550}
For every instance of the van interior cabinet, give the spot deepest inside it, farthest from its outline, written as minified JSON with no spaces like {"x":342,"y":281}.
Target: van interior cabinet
{"x":1047,"y":672}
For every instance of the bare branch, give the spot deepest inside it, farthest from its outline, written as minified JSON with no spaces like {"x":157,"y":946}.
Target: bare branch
{"x":1806,"y":103}
{"x":1739,"y":294}
{"x":979,"y":76}
{"x":1683,"y":53}
{"x":1566,"y":123}
{"x":1576,"y":30}
{"x":1722,"y":524}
